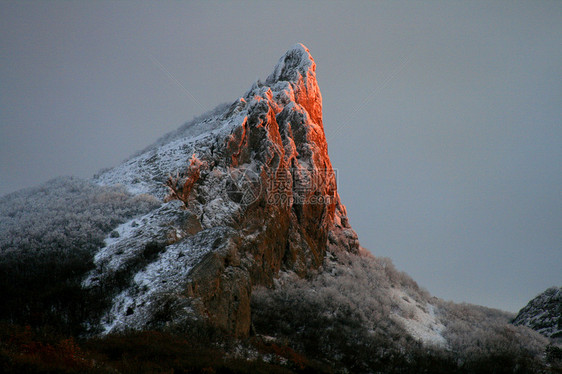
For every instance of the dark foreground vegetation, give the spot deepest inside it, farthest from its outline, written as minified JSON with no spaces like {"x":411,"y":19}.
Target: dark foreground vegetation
{"x":27,"y":350}
{"x":201,"y":350}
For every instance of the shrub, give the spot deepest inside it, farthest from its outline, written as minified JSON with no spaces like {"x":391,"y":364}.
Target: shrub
{"x":23,"y":350}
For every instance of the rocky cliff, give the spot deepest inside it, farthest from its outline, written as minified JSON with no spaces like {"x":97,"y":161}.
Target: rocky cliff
{"x":249,"y":191}
{"x":543,"y":313}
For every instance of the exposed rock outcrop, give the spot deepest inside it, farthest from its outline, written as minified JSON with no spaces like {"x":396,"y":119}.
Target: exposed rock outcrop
{"x":265,"y":200}
{"x":543,"y":313}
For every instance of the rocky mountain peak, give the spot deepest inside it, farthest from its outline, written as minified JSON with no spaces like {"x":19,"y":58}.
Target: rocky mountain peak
{"x":297,"y":63}
{"x":299,"y":69}
{"x":249,"y":192}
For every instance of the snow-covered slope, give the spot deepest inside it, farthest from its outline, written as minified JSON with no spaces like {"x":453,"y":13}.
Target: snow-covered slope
{"x":543,"y":313}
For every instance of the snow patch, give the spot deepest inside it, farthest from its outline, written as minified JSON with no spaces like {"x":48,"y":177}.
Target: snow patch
{"x":419,"y":320}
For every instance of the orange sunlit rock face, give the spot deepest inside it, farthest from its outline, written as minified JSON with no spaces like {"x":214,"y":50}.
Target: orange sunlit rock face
{"x":297,"y":213}
{"x":260,"y":198}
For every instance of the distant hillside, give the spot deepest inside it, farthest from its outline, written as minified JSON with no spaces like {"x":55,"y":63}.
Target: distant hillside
{"x":543,"y":313}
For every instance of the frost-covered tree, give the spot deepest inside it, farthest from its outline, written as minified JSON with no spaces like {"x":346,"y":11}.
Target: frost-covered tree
{"x":181,"y":186}
{"x":345,"y":315}
{"x":48,"y":236}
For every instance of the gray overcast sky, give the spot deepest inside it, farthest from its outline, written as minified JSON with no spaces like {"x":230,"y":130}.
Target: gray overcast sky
{"x":442,"y":118}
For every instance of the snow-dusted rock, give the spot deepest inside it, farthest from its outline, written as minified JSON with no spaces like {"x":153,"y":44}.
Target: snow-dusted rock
{"x":264,"y":181}
{"x":543,"y":313}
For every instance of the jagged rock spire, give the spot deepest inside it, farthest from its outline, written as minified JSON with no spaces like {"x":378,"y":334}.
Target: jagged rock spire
{"x":265,"y":201}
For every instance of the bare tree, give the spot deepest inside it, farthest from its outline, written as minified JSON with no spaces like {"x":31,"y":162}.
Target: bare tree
{"x":181,"y":186}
